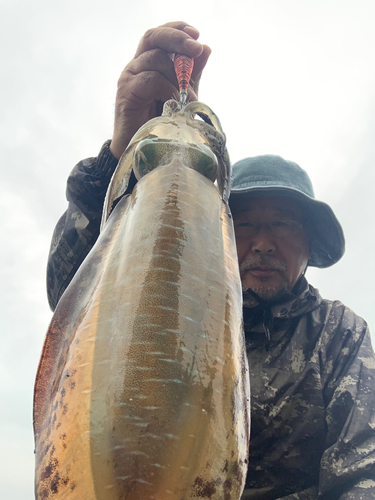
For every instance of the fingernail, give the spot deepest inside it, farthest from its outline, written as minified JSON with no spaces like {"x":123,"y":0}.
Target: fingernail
{"x":192,"y":44}
{"x":191,"y":31}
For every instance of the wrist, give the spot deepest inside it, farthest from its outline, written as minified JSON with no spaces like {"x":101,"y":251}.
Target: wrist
{"x":119,"y":144}
{"x":115,"y":150}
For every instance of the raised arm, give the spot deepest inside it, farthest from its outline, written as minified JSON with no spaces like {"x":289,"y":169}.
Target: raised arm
{"x":144,"y":85}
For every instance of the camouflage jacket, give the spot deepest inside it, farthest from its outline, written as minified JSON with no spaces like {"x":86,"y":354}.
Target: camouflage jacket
{"x":311,"y":363}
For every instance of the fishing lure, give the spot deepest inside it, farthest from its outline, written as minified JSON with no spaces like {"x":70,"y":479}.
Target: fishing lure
{"x":183,"y":67}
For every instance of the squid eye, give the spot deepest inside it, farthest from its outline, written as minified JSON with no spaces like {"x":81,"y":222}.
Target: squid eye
{"x":204,"y":161}
{"x":148,"y":155}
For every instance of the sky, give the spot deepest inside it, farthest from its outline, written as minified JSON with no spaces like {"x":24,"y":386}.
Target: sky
{"x":289,"y":77}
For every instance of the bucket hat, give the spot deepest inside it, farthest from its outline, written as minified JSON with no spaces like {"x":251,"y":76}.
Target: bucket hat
{"x":273,"y":175}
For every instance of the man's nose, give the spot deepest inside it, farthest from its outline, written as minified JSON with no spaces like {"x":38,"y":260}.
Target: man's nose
{"x":263,"y":242}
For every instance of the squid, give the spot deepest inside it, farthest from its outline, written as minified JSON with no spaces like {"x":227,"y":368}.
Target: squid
{"x":142,"y":390}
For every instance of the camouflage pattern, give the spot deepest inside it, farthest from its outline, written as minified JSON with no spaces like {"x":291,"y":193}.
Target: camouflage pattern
{"x":311,"y":363}
{"x":312,"y":372}
{"x":78,"y":228}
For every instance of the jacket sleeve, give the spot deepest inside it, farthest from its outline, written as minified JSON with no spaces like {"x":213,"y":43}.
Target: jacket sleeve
{"x":348,"y":462}
{"x":78,"y":228}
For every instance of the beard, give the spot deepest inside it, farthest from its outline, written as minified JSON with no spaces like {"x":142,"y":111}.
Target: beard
{"x":271,"y":295}
{"x":263,"y":287}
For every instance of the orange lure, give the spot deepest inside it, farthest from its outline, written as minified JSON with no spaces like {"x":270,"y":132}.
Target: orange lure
{"x":183,"y":66}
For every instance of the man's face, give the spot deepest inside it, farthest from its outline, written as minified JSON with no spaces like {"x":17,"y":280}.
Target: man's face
{"x":269,"y":265}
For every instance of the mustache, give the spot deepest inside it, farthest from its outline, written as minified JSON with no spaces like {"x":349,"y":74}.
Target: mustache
{"x":264,"y":261}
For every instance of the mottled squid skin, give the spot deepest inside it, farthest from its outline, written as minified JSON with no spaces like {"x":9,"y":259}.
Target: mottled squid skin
{"x":142,"y":388}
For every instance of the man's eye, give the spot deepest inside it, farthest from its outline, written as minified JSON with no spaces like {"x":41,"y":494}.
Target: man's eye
{"x":280,"y":223}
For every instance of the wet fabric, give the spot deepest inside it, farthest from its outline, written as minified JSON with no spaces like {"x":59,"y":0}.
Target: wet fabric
{"x":78,"y":228}
{"x":311,"y":363}
{"x":312,"y":372}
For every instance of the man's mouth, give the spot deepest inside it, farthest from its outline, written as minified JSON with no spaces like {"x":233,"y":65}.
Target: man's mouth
{"x":261,"y":271}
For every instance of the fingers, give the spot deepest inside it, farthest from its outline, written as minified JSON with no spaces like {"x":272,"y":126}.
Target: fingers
{"x":154,"y":60}
{"x":193,"y":32}
{"x":145,"y":88}
{"x":146,"y":79}
{"x":171,"y":37}
{"x":201,"y":61}
{"x":164,"y":85}
{"x":199,"y":65}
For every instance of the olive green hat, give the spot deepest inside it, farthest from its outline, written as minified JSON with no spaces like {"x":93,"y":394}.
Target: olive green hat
{"x":272,"y":174}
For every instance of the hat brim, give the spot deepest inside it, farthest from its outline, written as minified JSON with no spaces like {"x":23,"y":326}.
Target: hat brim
{"x":327,"y":242}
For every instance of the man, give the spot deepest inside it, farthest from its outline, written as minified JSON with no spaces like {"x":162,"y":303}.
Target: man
{"x":311,"y":362}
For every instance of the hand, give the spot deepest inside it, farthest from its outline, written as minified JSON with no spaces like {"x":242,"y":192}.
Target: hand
{"x":149,"y":79}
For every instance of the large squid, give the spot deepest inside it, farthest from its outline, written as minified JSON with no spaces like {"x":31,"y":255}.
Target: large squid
{"x":142,"y":389}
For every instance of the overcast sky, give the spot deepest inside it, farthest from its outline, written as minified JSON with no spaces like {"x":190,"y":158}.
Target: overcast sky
{"x":288,"y":77}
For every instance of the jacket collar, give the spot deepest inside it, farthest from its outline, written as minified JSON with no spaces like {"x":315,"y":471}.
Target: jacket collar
{"x":304,"y":298}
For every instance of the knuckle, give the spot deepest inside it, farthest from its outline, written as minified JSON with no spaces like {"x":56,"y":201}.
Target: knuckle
{"x":154,"y":57}
{"x":144,"y":78}
{"x":149,"y":34}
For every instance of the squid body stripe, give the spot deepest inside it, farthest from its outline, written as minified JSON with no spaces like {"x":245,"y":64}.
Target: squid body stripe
{"x":169,"y":381}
